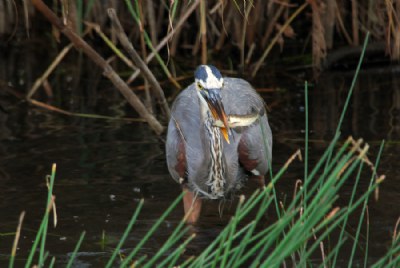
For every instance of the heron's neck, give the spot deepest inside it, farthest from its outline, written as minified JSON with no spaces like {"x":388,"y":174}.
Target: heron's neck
{"x":216,"y":180}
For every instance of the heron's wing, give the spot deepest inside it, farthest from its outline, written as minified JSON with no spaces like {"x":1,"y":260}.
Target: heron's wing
{"x":255,"y":144}
{"x":175,"y":151}
{"x":183,"y":149}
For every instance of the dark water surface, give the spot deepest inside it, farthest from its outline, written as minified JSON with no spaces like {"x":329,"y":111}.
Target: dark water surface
{"x":105,"y":167}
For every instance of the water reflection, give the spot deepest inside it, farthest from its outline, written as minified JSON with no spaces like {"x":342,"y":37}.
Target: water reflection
{"x":106,"y":167}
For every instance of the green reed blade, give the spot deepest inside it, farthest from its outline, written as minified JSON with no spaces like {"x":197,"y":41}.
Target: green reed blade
{"x":89,"y":7}
{"x":233,"y":225}
{"x":364,"y":207}
{"x":176,"y":235}
{"x":151,"y":231}
{"x":310,"y":218}
{"x":50,"y":184}
{"x":345,"y":221}
{"x":78,"y":245}
{"x":174,"y":256}
{"x":353,"y":83}
{"x":266,"y":148}
{"x":52,"y":262}
{"x":126,"y":233}
{"x":41,"y":234}
{"x":149,"y":44}
{"x":306,"y":140}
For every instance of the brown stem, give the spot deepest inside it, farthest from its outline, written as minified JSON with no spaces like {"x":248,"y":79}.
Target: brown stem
{"x":108,"y":71}
{"x":203,"y":31}
{"x":138,"y":61}
{"x":165,"y":40}
{"x":354,"y":16}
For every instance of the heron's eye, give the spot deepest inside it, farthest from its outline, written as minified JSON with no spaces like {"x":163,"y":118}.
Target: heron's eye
{"x":199,"y":85}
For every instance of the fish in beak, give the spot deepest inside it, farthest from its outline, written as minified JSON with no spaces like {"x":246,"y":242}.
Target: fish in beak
{"x":213,"y":99}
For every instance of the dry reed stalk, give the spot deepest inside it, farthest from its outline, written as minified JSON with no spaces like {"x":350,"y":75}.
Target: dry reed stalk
{"x":226,"y":23}
{"x":147,"y":102}
{"x":271,"y":22}
{"x":203,"y":31}
{"x":244,"y":31}
{"x":152,"y":21}
{"x":354,"y":22}
{"x":62,"y":111}
{"x":332,"y":213}
{"x":39,"y":81}
{"x":48,"y":89}
{"x":321,"y":247}
{"x":396,"y":34}
{"x":165,"y":40}
{"x":110,"y":43}
{"x":341,"y":26}
{"x":277,"y":36}
{"x":396,"y":227}
{"x":139,"y":62}
{"x":107,"y":69}
{"x":8,"y":17}
{"x":17,"y":234}
{"x":393,"y":35}
{"x":297,"y":154}
{"x":328,"y":22}
{"x":175,"y":41}
{"x":318,"y":36}
{"x":254,"y":21}
{"x":26,"y":17}
{"x":250,"y":53}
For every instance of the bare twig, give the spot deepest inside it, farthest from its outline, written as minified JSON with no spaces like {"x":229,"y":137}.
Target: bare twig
{"x":167,"y":37}
{"x":281,"y":30}
{"x":107,"y":69}
{"x":49,"y":70}
{"x":138,"y":61}
{"x":96,"y":116}
{"x":17,"y":234}
{"x":203,"y":31}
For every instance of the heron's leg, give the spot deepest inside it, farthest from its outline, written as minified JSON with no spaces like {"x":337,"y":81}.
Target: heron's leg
{"x":259,"y":180}
{"x":191,"y":205}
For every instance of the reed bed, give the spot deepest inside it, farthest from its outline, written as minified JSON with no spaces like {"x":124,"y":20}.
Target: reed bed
{"x":303,"y":230}
{"x":248,"y":27}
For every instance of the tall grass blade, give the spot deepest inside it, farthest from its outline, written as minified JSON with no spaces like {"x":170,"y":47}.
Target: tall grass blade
{"x":126,"y":233}
{"x":41,"y":234}
{"x":151,"y":231}
{"x":78,"y":245}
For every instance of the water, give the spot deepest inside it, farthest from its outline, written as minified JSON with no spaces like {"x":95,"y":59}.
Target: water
{"x":105,"y":167}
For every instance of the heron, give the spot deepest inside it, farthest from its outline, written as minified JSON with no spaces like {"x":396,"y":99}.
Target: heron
{"x":218,"y":137}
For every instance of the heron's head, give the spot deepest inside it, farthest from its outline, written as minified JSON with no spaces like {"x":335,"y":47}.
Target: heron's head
{"x":209,"y":83}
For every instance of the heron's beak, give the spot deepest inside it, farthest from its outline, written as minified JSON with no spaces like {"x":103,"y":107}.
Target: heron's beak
{"x":213,"y":99}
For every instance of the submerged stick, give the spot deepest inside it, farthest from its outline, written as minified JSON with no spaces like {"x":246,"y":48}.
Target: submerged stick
{"x":138,"y":61}
{"x":108,"y":71}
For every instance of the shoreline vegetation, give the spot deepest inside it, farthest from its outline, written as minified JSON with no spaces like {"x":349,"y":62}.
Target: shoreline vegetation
{"x":317,"y":35}
{"x":305,"y":226}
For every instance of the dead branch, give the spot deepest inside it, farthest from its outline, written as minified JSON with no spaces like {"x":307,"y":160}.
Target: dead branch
{"x":165,"y":40}
{"x":108,"y":71}
{"x":123,"y":38}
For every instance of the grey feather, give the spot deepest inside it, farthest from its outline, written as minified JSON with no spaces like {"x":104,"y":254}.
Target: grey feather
{"x":186,"y":126}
